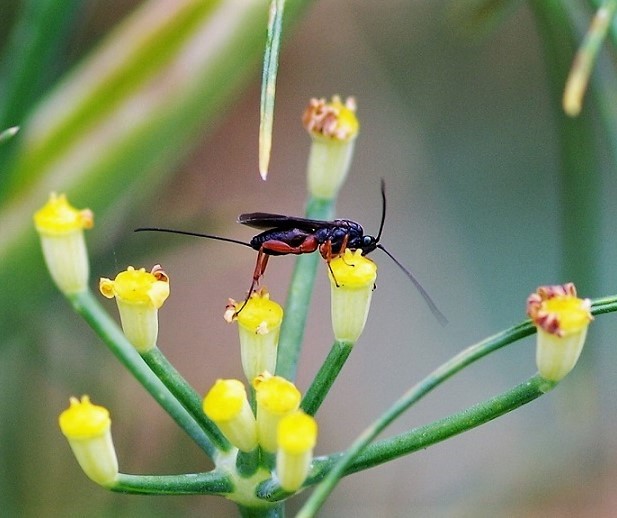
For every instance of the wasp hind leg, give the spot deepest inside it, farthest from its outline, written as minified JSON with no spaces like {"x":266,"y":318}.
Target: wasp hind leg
{"x":260,"y":268}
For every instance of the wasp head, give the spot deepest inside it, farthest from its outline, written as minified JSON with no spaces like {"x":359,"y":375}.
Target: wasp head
{"x":367,"y":244}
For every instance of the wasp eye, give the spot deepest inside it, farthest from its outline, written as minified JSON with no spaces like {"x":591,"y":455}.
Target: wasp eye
{"x":368,"y":240}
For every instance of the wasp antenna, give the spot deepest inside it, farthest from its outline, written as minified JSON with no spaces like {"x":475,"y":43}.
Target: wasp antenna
{"x":194,"y":234}
{"x":427,"y":298}
{"x":383,"y":209}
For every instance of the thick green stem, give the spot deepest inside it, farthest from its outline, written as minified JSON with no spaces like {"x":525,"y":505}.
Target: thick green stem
{"x":185,"y":394}
{"x":421,"y":437}
{"x":247,"y":463}
{"x":424,"y":436}
{"x":210,"y":483}
{"x":89,"y":308}
{"x":299,"y":298}
{"x":323,"y":381}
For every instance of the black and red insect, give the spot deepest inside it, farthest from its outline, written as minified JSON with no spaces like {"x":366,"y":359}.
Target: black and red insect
{"x":284,"y":235}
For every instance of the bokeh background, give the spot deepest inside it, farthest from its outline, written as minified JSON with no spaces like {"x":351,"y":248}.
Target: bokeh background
{"x":461,"y":122}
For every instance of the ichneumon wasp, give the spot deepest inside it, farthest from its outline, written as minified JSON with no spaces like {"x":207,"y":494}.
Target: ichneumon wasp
{"x":283,"y":235}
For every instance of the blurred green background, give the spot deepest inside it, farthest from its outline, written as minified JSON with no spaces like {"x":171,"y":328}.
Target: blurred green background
{"x":461,"y":122}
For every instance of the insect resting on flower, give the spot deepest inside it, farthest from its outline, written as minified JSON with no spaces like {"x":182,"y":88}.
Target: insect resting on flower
{"x":284,"y":235}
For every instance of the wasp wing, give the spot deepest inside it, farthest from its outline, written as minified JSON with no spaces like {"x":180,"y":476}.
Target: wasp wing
{"x":265,"y":221}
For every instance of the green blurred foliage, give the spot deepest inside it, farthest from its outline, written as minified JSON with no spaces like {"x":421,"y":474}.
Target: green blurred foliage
{"x":466,"y":133}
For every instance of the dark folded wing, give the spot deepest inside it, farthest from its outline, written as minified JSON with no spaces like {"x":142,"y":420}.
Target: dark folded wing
{"x":265,"y":220}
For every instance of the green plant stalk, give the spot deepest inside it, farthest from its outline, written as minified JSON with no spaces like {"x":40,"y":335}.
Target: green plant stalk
{"x":580,"y":180}
{"x":612,"y":29}
{"x":415,"y":393}
{"x":92,"y":312}
{"x":185,"y":394}
{"x":586,"y":57}
{"x":210,"y":483}
{"x":604,"y":86}
{"x":472,"y":417}
{"x":247,"y":463}
{"x":268,"y":83}
{"x":299,"y":297}
{"x":327,"y":374}
{"x":277,"y":511}
{"x":421,"y":437}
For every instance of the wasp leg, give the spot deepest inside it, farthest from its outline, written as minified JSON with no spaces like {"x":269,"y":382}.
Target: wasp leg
{"x":278,"y":247}
{"x":260,"y":268}
{"x":326,"y":252}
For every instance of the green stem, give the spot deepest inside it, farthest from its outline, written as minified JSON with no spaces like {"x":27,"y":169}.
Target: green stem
{"x":587,"y":56}
{"x":421,"y":437}
{"x":472,"y":417}
{"x":277,"y":511}
{"x":247,"y":463}
{"x":185,"y":394}
{"x":89,"y":308}
{"x":414,"y":394}
{"x":299,"y":297}
{"x":323,"y":381}
{"x":581,"y":239}
{"x":210,"y":483}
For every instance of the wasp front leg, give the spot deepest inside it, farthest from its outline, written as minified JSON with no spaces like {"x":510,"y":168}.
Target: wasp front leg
{"x":326,"y":252}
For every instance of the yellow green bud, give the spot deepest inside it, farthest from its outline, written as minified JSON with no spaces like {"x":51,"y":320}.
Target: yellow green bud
{"x":276,"y":398}
{"x":60,"y":227}
{"x":259,"y":325}
{"x":296,"y":438}
{"x":352,"y":279}
{"x":139,"y":295}
{"x":562,"y":320}
{"x":227,"y":405}
{"x":87,"y":427}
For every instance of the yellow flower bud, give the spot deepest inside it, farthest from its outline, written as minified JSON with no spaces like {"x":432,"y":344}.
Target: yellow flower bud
{"x":139,"y":295}
{"x":352,"y":279}
{"x":562,"y":321}
{"x":227,"y":405}
{"x":87,"y":427}
{"x":296,"y":438}
{"x":333,"y":127}
{"x":259,"y":325}
{"x":276,"y":398}
{"x":60,"y":227}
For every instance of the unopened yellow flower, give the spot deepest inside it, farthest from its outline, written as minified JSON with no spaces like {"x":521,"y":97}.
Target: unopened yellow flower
{"x":276,"y":398}
{"x":227,"y":405}
{"x":139,"y":294}
{"x":259,"y":325}
{"x":333,"y":127}
{"x":352,"y":279}
{"x":60,"y":227}
{"x":562,"y":320}
{"x":87,"y":427}
{"x":296,"y":438}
